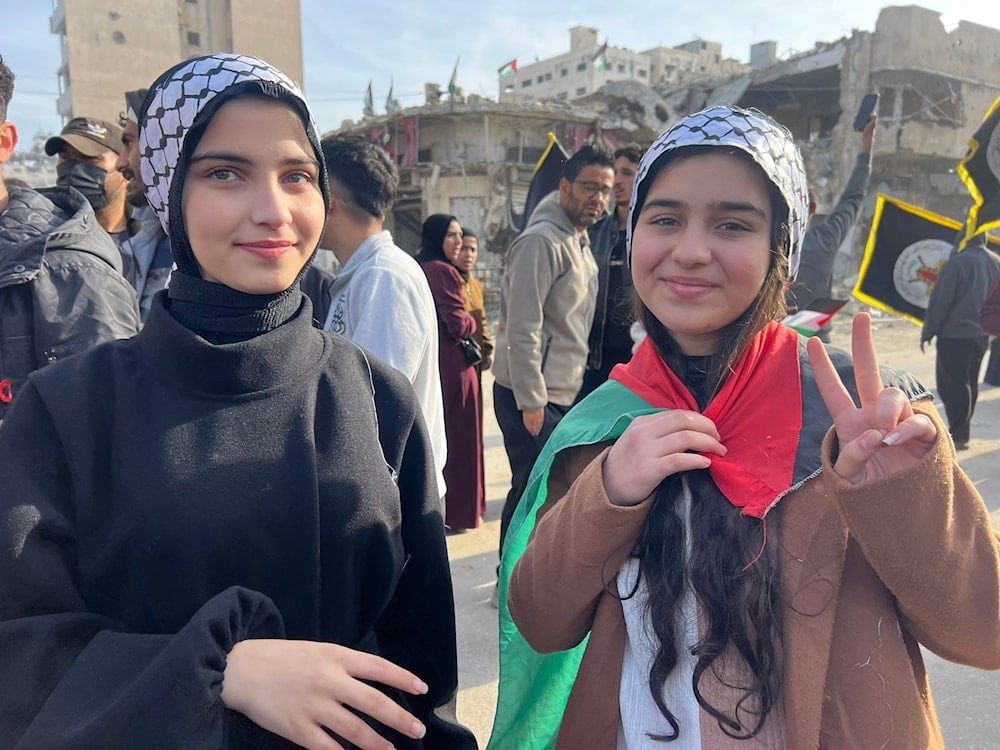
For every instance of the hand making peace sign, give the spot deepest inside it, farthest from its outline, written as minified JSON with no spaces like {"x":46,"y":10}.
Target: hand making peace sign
{"x":885,"y":436}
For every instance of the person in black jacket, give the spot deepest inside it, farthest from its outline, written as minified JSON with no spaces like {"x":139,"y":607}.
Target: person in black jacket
{"x":953,"y":318}
{"x":61,"y":284}
{"x":225,"y":531}
{"x":824,"y":238}
{"x":610,"y":341}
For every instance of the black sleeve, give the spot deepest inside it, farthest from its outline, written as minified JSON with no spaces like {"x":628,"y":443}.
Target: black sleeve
{"x":417,"y":630}
{"x":81,"y":302}
{"x":72,"y":677}
{"x":824,"y":238}
{"x":942,"y":299}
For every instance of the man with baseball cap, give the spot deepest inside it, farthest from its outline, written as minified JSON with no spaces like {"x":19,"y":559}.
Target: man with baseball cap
{"x":87,"y":149}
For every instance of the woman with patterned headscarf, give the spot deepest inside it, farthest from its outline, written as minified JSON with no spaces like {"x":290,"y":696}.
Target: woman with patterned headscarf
{"x":736,"y":542}
{"x":224,"y":532}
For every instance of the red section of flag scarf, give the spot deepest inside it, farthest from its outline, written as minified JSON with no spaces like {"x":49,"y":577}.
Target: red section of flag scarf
{"x":758,"y":414}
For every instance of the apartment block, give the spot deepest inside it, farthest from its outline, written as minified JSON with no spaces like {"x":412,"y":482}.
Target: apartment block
{"x":113,"y":46}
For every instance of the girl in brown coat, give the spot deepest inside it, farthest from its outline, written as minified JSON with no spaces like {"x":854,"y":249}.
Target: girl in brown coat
{"x":736,"y":543}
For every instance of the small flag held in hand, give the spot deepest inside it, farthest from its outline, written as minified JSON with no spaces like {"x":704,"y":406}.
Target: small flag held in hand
{"x":811,"y":319}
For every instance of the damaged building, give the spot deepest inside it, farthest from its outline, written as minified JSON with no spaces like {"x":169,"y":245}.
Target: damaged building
{"x":473,"y":158}
{"x":934,"y":85}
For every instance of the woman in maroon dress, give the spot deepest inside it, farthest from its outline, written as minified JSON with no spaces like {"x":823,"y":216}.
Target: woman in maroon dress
{"x":465,"y":501}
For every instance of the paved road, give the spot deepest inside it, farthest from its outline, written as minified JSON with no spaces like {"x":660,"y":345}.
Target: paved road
{"x":967,"y":699}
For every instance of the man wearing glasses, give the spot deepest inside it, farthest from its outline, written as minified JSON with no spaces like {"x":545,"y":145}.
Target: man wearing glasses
{"x":547,"y":299}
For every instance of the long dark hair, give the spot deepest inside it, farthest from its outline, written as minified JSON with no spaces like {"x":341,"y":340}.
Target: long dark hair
{"x":732,"y":568}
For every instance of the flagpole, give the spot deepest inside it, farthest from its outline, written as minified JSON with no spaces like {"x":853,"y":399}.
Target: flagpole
{"x":453,"y":83}
{"x":369,"y":101}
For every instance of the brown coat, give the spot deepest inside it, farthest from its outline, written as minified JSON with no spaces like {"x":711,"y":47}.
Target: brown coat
{"x":475,"y":305}
{"x":867,"y":574}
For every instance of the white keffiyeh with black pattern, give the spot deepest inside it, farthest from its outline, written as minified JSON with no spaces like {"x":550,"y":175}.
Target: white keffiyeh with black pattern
{"x":174,"y":107}
{"x":765,"y":140}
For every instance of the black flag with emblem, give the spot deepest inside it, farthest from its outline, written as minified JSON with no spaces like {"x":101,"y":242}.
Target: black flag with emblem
{"x":906,"y":248}
{"x":980,"y":171}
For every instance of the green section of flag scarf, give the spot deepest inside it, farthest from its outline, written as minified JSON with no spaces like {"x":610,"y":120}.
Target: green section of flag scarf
{"x":534,"y":687}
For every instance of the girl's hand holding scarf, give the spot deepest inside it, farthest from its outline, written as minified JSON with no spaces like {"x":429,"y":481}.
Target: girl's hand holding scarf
{"x":655,"y":446}
{"x":883,"y":437}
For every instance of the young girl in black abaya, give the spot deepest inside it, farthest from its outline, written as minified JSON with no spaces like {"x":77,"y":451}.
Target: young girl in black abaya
{"x":225,"y":531}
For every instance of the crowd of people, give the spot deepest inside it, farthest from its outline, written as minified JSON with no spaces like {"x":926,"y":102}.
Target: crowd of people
{"x":224,"y":517}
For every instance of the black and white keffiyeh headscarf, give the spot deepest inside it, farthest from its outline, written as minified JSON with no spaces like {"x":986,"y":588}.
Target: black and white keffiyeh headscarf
{"x":766,"y":141}
{"x":175,"y":115}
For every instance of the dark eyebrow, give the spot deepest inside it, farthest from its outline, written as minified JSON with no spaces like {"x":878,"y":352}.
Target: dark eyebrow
{"x":220,"y":156}
{"x":660,"y":203}
{"x":225,"y":156}
{"x":741,"y":206}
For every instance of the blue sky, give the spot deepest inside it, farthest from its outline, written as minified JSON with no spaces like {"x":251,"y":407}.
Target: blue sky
{"x":346,"y":44}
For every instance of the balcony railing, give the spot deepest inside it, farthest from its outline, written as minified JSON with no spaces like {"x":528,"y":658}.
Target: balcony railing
{"x":64,"y":104}
{"x":57,"y":21}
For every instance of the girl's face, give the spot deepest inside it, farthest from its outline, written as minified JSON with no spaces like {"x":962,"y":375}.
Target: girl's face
{"x":701,"y":248}
{"x":453,"y":241}
{"x":252,"y":204}
{"x":468,"y":253}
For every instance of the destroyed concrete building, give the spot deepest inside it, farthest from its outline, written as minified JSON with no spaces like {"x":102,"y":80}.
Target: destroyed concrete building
{"x":588,"y":65}
{"x":935,"y":87}
{"x":473,"y":158}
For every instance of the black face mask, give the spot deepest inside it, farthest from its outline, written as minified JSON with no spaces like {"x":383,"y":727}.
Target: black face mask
{"x":86,"y":178}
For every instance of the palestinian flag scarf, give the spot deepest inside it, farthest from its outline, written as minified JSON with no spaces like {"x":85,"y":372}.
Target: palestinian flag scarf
{"x":758,"y":414}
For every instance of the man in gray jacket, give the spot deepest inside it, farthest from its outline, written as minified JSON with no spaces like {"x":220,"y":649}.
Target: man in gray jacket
{"x":547,"y":299}
{"x":61,"y":284}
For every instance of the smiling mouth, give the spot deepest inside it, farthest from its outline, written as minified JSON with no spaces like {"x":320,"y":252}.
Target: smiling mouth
{"x":268,"y":250}
{"x":688,"y":287}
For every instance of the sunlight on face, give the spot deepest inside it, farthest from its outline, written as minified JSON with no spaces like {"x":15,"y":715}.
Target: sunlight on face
{"x":453,"y":241}
{"x":252,"y":205}
{"x":701,"y":248}
{"x":585,"y":199}
{"x":468,"y":254}
{"x":127,"y":163}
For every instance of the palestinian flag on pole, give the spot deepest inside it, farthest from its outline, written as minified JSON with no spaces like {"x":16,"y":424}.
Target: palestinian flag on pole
{"x":980,"y":171}
{"x":906,"y":248}
{"x":391,"y":103}
{"x":545,"y":178}
{"x":600,"y":58}
{"x":369,"y":101}
{"x":453,"y":81}
{"x":812,"y":318}
{"x":508,"y":69}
